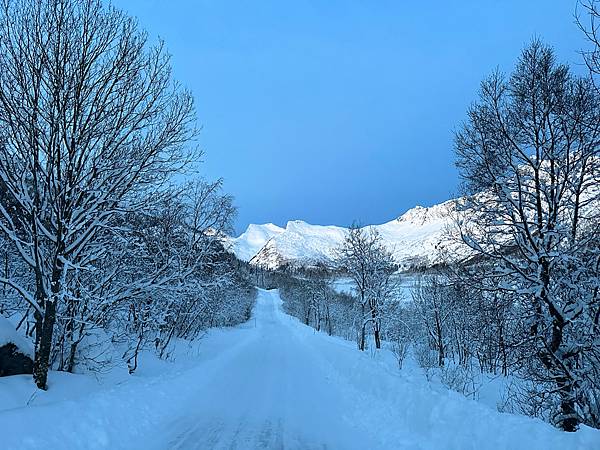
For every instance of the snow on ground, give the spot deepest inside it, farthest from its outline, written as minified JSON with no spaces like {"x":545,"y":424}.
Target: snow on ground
{"x":271,"y":383}
{"x":405,"y":283}
{"x":8,"y":334}
{"x":343,"y":285}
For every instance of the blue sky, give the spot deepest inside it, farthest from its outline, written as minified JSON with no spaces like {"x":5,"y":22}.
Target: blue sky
{"x":334,"y":111}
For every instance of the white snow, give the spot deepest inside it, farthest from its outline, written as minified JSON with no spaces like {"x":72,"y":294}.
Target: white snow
{"x":253,"y":239}
{"x":419,"y":235}
{"x":271,"y":383}
{"x":300,"y":242}
{"x":9,"y":334}
{"x":404,"y":283}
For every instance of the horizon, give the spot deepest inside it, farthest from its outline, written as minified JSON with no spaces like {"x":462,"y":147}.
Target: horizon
{"x":335,"y":113}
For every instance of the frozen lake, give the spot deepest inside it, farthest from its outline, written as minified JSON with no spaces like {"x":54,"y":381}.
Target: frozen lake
{"x":405,"y":282}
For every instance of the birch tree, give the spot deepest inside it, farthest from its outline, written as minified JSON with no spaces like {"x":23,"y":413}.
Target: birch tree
{"x":370,"y":266}
{"x":529,"y":155}
{"x":90,"y":118}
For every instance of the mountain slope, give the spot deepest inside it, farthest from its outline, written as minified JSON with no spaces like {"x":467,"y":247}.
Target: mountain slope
{"x":301,"y":244}
{"x":421,"y":235}
{"x":252,"y":240}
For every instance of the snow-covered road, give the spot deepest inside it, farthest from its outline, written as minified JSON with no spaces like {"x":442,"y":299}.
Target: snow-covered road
{"x":271,"y":392}
{"x":284,"y":386}
{"x":273,"y":383}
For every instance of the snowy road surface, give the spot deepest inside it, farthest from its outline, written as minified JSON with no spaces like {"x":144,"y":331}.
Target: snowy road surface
{"x":273,"y":383}
{"x":273,"y":391}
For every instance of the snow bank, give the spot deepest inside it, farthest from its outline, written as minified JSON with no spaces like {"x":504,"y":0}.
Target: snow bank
{"x":403,"y":410}
{"x":9,"y":334}
{"x":115,"y":410}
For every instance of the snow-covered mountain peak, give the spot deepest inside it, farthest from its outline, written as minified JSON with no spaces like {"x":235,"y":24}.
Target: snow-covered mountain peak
{"x":296,"y":226}
{"x":423,"y":214}
{"x":413,"y":213}
{"x":261,"y":230}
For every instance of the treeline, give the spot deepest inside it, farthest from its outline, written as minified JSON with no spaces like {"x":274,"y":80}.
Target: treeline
{"x":309,"y":296}
{"x":165,"y":276}
{"x":456,"y":330}
{"x":103,"y":248}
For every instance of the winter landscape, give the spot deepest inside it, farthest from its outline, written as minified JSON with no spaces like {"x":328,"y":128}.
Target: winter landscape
{"x":204,"y":245}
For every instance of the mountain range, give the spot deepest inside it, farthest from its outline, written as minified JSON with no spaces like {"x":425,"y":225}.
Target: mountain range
{"x":419,"y":237}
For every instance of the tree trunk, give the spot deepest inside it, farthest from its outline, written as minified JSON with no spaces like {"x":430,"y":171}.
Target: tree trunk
{"x":361,"y":343}
{"x":440,"y":340}
{"x":44,"y":332}
{"x":568,"y":418}
{"x":71,"y":361}
{"x":502,"y":346}
{"x":377,"y":339}
{"x":45,"y":325}
{"x":376,"y":328}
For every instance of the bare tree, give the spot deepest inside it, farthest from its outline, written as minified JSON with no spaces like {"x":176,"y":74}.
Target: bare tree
{"x":370,"y":266}
{"x":90,"y":119}
{"x":529,"y":157}
{"x":589,"y":23}
{"x":434,"y":304}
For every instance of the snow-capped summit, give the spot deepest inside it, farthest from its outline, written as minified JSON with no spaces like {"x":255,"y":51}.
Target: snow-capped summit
{"x":421,"y":214}
{"x":419,"y":236}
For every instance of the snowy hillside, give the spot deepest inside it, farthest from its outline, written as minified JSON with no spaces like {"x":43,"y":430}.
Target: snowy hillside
{"x":300,"y":244}
{"x":420,"y":236}
{"x":252,"y":240}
